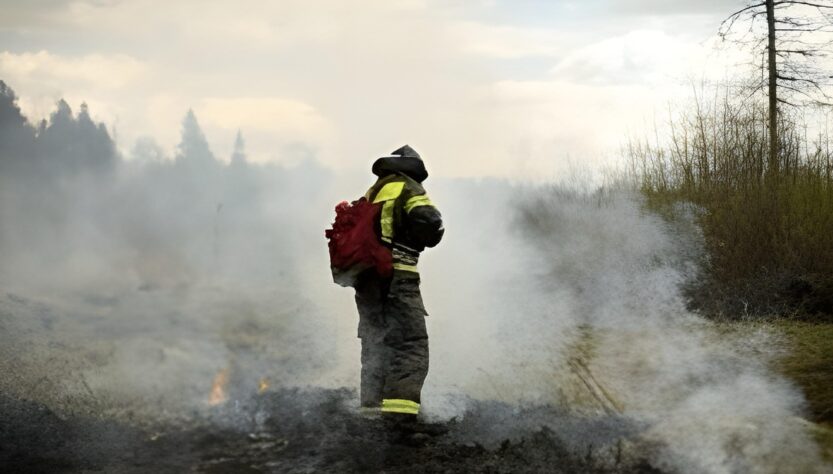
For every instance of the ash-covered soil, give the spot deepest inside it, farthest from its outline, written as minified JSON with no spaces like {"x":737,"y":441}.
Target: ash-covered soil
{"x":314,"y":430}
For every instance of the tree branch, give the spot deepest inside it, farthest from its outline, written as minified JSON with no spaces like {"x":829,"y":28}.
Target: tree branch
{"x":734,"y":16}
{"x":807,"y":4}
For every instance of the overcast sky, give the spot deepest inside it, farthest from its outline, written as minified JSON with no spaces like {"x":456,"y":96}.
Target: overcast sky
{"x":503,"y":88}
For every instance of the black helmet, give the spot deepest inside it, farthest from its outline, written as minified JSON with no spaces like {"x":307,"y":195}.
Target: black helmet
{"x":403,"y":160}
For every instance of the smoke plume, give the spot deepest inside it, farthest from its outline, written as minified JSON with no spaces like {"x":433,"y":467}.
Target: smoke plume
{"x":157,"y":287}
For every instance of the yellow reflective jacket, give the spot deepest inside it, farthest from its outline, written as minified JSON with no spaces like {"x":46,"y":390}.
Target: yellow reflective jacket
{"x":408,"y":222}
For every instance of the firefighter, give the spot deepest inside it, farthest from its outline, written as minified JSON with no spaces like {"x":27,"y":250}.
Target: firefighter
{"x":391,"y":313}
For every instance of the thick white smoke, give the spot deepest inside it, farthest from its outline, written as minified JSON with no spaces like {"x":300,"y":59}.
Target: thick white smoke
{"x":131,"y":288}
{"x":537,"y":294}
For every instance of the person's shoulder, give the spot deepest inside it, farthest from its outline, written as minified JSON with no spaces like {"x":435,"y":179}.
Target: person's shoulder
{"x":394,"y":186}
{"x":387,"y":188}
{"x":412,"y":186}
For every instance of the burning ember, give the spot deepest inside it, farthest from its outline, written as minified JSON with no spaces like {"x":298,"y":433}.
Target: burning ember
{"x":218,"y":388}
{"x":262,"y":385}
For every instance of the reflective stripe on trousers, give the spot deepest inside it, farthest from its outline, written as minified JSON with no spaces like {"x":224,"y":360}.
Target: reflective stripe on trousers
{"x":396,"y":405}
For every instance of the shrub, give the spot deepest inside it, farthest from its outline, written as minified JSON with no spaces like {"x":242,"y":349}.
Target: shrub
{"x":768,"y":232}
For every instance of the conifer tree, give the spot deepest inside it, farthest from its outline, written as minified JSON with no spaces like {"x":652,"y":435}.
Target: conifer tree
{"x":238,"y":156}
{"x":193,"y":147}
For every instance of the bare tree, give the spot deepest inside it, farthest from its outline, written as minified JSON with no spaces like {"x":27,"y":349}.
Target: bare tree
{"x":795,"y":37}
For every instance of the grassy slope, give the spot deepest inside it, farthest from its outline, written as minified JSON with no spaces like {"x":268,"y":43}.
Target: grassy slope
{"x":809,"y":363}
{"x":807,"y":360}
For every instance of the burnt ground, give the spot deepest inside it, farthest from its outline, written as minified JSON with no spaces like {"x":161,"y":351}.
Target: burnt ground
{"x":314,"y":430}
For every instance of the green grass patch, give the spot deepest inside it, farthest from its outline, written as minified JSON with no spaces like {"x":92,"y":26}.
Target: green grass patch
{"x":805,"y":357}
{"x":809,"y":363}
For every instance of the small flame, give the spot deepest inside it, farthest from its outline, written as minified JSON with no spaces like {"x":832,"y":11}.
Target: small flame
{"x":262,"y":385}
{"x":218,"y":388}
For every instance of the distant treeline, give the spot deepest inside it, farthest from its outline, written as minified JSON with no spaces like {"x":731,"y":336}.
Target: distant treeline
{"x":62,"y":145}
{"x":71,"y":206}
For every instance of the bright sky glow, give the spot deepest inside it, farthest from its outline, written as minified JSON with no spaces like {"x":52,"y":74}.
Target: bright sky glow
{"x":480,"y":88}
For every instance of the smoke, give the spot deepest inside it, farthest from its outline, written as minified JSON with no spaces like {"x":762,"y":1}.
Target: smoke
{"x":130,"y":287}
{"x":128,"y":284}
{"x":573,"y":299}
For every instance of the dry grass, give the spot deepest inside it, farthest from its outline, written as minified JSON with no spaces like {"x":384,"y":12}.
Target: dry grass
{"x":768,"y":232}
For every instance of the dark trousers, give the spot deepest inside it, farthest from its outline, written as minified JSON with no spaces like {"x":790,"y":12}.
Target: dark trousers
{"x":394,"y":338}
